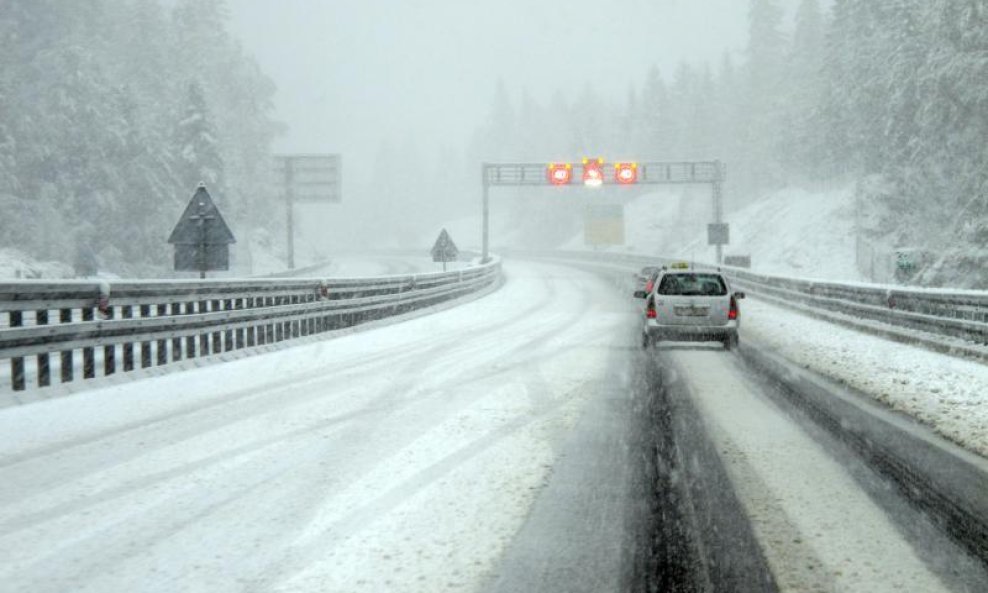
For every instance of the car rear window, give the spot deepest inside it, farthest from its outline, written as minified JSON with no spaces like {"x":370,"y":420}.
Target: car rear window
{"x":693,"y":285}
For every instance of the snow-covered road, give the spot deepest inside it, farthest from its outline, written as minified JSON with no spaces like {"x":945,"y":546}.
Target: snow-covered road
{"x":498,"y":446}
{"x":353,"y":266}
{"x":396,"y":459}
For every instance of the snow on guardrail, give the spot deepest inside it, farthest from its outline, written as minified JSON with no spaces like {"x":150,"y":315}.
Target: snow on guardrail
{"x":126,"y":325}
{"x":958,"y":314}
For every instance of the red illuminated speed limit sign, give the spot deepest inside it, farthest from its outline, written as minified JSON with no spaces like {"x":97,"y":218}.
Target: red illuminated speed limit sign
{"x":626,"y":173}
{"x":560,"y":173}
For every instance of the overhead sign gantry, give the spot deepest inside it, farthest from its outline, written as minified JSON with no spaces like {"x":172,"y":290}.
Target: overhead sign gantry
{"x":596,"y":172}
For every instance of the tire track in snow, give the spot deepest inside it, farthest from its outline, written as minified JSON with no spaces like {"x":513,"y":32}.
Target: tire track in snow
{"x":260,"y":482}
{"x":71,"y":468}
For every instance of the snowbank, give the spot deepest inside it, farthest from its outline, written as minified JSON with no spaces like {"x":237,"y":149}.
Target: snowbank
{"x":947,"y":393}
{"x":15,"y":264}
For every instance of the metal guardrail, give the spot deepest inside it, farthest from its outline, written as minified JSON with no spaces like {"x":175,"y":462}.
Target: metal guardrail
{"x":961,"y":314}
{"x":957,"y":314}
{"x":152,"y":323}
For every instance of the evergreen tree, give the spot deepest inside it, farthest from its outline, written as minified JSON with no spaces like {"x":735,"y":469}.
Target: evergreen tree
{"x":199,"y":159}
{"x":656,"y":113}
{"x":588,"y":124}
{"x":8,"y":148}
{"x":93,"y":156}
{"x":801,"y":147}
{"x":764,"y":73}
{"x":501,"y":132}
{"x":954,"y":116}
{"x":836,"y":106}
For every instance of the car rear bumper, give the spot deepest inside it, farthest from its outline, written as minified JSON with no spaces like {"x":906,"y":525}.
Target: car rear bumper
{"x":691,"y":333}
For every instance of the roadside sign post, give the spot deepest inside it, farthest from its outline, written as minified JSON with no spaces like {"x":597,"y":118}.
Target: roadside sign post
{"x":306,"y":178}
{"x":201,"y":218}
{"x":597,"y":173}
{"x":201,"y":237}
{"x":486,"y":238}
{"x":718,"y":196}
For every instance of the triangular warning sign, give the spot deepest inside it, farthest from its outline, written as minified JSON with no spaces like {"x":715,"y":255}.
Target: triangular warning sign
{"x":444,"y":250}
{"x":201,"y":223}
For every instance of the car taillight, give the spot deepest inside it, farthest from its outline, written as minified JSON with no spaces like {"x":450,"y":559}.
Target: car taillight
{"x":732,"y":313}
{"x":650,"y":312}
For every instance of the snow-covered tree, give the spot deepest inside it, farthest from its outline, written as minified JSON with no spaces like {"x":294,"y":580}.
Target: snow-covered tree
{"x":197,"y":150}
{"x":91,"y":94}
{"x":800,"y":145}
{"x":656,"y":110}
{"x":761,"y":96}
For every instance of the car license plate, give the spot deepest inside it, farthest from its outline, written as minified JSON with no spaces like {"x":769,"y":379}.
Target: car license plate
{"x":692,"y":311}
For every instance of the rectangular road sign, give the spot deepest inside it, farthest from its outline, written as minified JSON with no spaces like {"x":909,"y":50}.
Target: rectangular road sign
{"x":309,"y":177}
{"x":603,"y":224}
{"x":718,"y":234}
{"x":738,"y":261}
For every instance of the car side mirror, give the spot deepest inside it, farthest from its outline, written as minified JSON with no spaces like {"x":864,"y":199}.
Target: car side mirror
{"x":739,"y":295}
{"x":641,"y":294}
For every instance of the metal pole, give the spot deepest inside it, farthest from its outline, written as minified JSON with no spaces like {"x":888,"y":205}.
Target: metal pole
{"x":486,"y":215}
{"x":289,"y":197}
{"x":202,"y":240}
{"x":718,"y":191}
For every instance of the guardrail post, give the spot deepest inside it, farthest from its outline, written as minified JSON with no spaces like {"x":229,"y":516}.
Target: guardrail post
{"x":306,"y":322}
{"x":110,"y":350}
{"x":127,"y":312}
{"x":261,"y":329}
{"x":289,"y":323}
{"x":228,"y":338}
{"x":17,"y":364}
{"x":239,"y":305}
{"x":162,"y":344}
{"x":295,"y":324}
{"x":217,"y":336}
{"x":272,"y":333}
{"x":204,"y":336}
{"x":311,"y":321}
{"x":146,"y":345}
{"x":190,"y":341}
{"x":176,"y":310}
{"x":252,"y":329}
{"x":279,"y":328}
{"x":65,"y":316}
{"x":44,"y":368}
{"x":88,"y":353}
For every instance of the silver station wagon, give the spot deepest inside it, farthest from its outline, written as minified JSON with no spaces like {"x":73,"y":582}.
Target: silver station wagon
{"x":691,"y":306}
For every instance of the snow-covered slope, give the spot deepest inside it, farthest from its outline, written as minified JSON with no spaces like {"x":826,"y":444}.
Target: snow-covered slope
{"x":15,"y":264}
{"x":790,"y":232}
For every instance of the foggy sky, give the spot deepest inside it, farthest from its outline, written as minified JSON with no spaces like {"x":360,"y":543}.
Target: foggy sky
{"x":351,"y":74}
